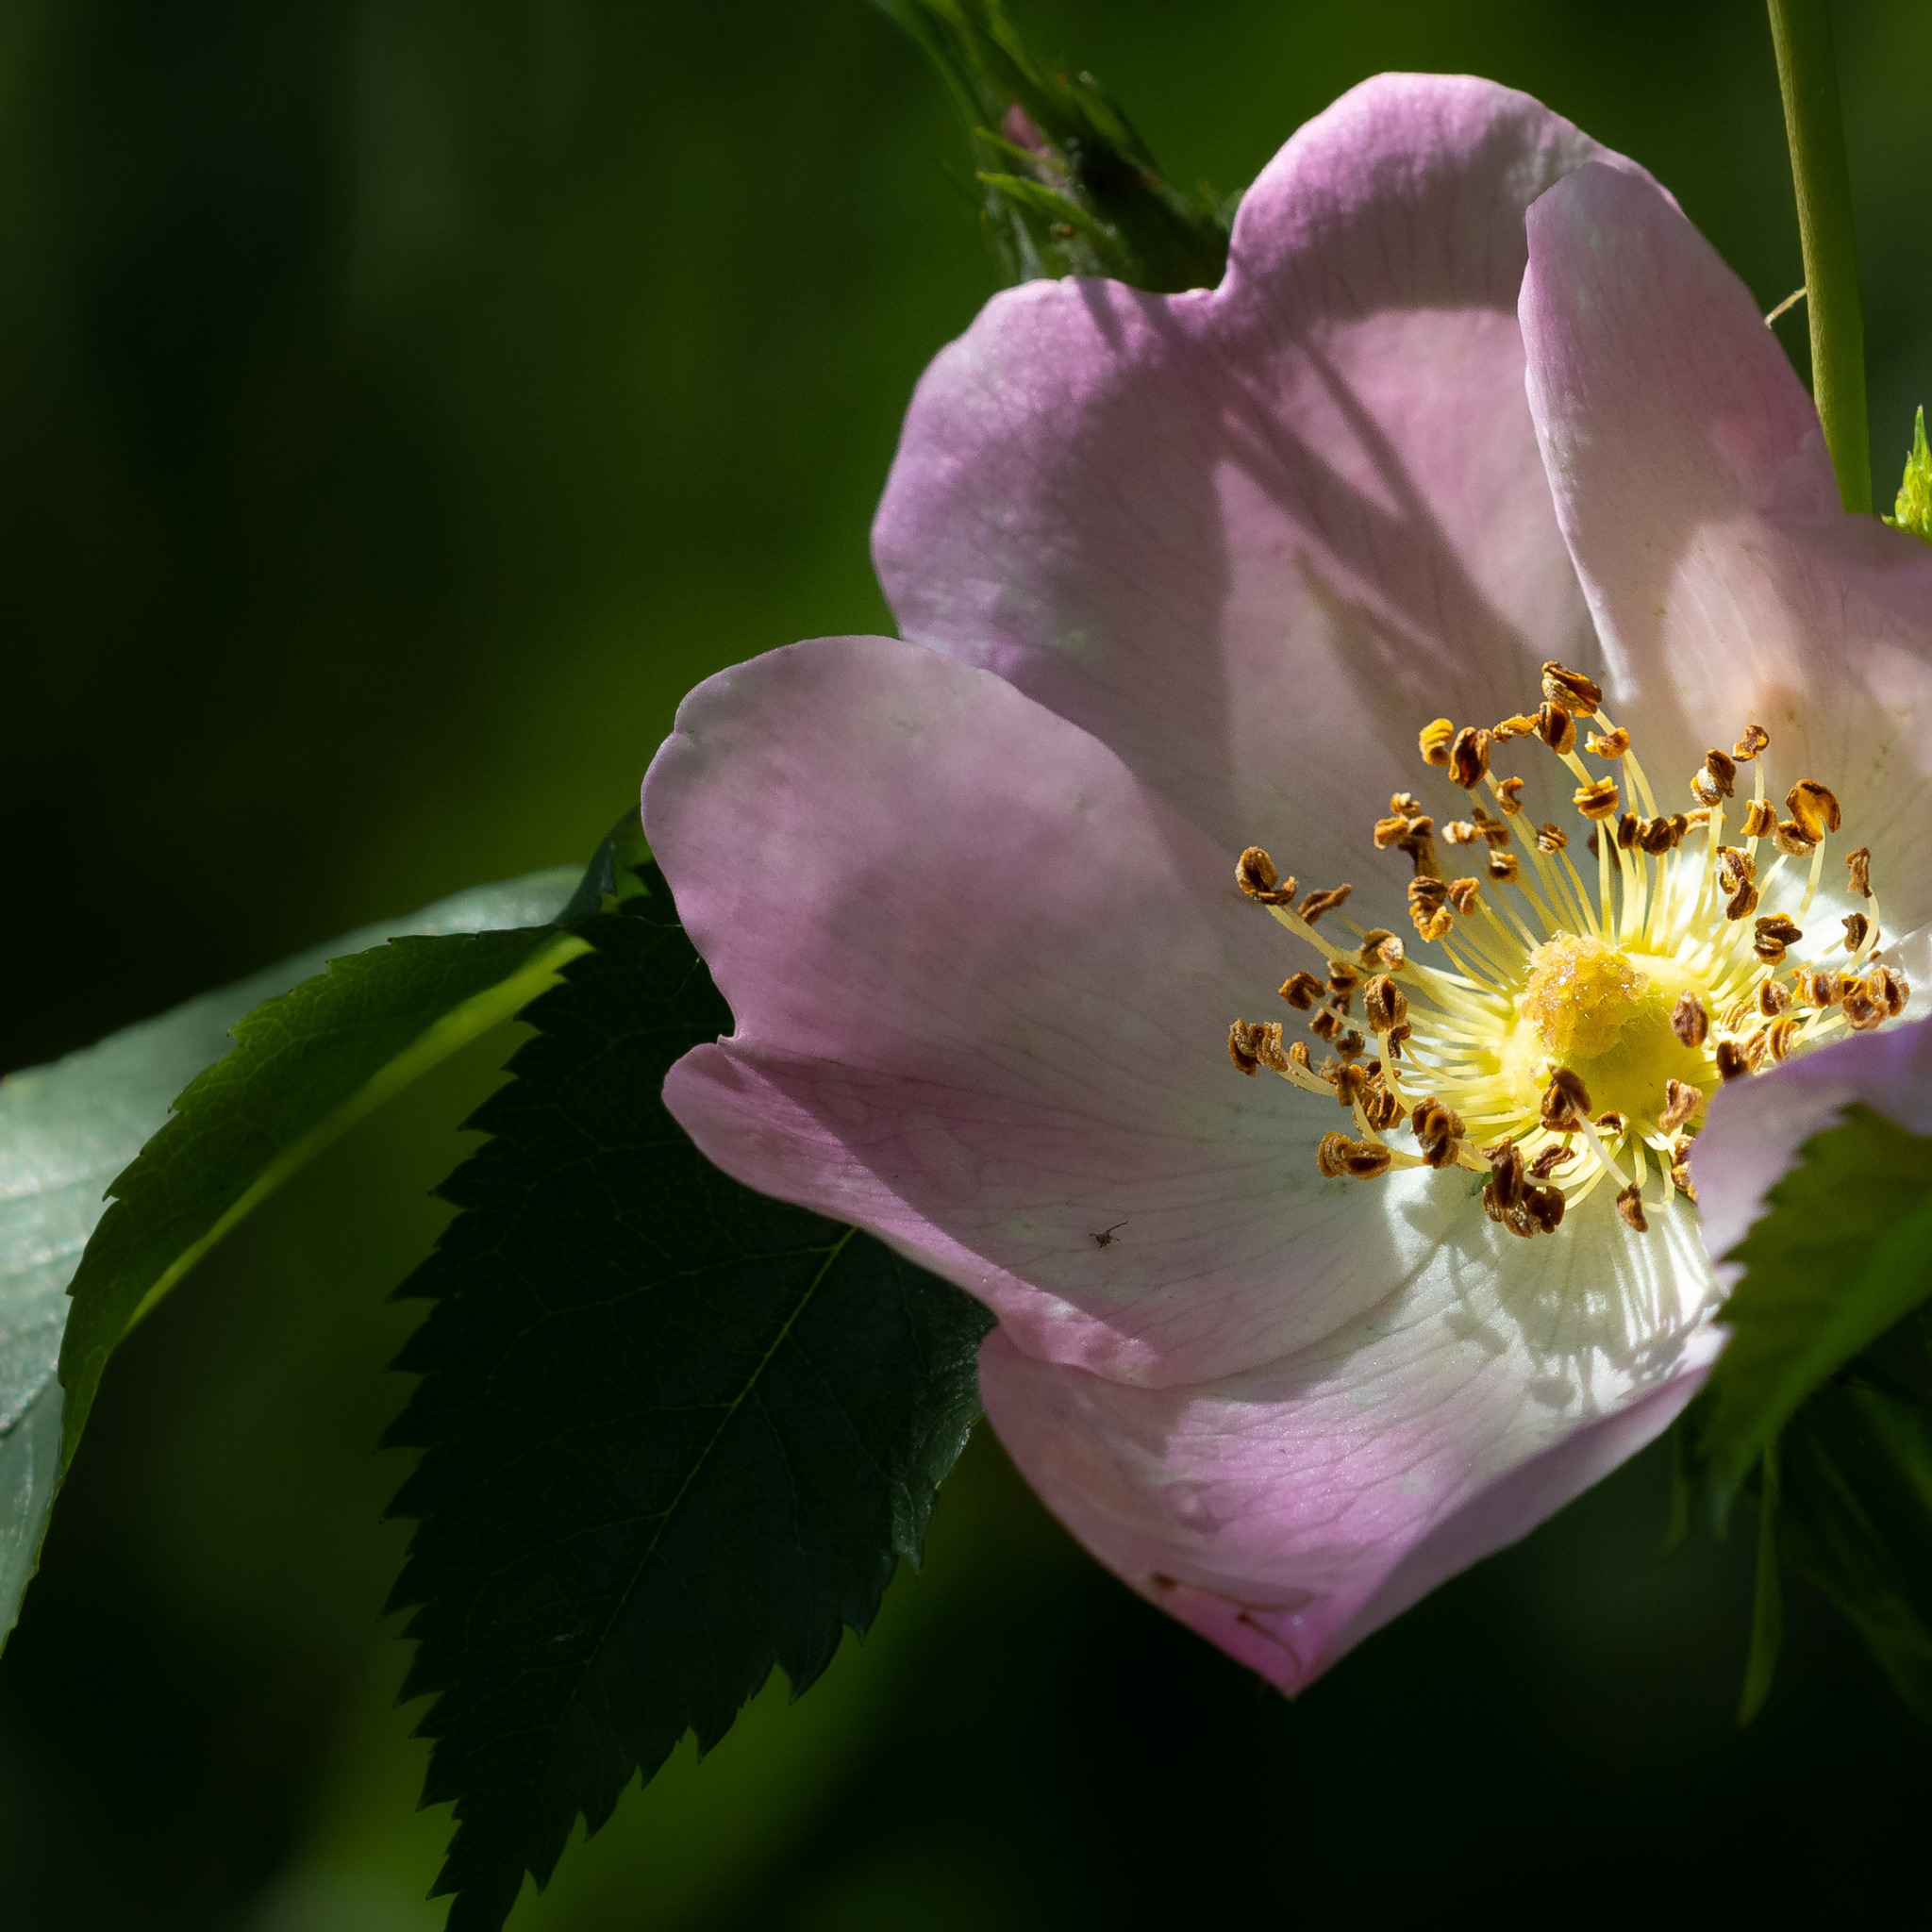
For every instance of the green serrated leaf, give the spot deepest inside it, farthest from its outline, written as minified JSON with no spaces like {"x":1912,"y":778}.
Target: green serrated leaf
{"x":1856,"y":1518}
{"x":1913,"y":509}
{"x":676,"y":1432}
{"x":1842,"y":1252}
{"x":69,"y":1129}
{"x":1102,"y":206}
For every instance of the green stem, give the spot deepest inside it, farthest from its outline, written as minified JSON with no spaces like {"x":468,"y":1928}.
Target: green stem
{"x":1807,"y":78}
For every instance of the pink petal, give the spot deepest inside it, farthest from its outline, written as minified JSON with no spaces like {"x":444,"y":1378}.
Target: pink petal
{"x":1756,"y":1127}
{"x":1693,"y":484}
{"x":1256,"y":539}
{"x":982,"y":982}
{"x":1286,"y":1512}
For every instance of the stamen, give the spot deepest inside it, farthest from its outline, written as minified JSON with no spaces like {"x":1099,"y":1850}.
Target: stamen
{"x":1535,"y":1003}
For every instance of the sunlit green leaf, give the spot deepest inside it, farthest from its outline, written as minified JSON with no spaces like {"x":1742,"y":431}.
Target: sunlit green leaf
{"x":1842,"y":1252}
{"x":68,"y":1130}
{"x":676,"y":1432}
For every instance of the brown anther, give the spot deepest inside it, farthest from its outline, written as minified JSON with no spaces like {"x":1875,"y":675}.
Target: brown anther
{"x":1760,"y":822}
{"x":1469,"y":757}
{"x":1697,"y":820}
{"x":1426,"y":895}
{"x":1609,"y":1123}
{"x":1734,"y":868}
{"x":1350,"y":1045}
{"x":1757,"y":1048}
{"x":1434,"y":925}
{"x":1326,"y":1024}
{"x":1681,"y":1100}
{"x":1509,"y":795}
{"x":1392,"y":1041}
{"x":1630,"y":1205}
{"x":1597,"y":800}
{"x":1343,"y":976}
{"x":1688,"y":1021}
{"x":1437,"y":1131}
{"x":1723,"y":771}
{"x":1817,"y":986}
{"x":1705,"y":789}
{"x":1553,"y":1156}
{"x":1742,"y":903}
{"x":1435,"y":740}
{"x":1544,"y":1206}
{"x":1360,"y":1161}
{"x":1502,"y":868}
{"x":1628,"y":827}
{"x":1858,"y":864}
{"x":1737,"y":1015}
{"x":1381,"y":949}
{"x":1814,"y":807}
{"x":1781,"y":1036}
{"x":1463,"y":893}
{"x":1551,"y":837}
{"x":1857,"y":926}
{"x":1607,"y":744}
{"x":1753,"y":741}
{"x":1301,"y":991}
{"x":1680,"y":1180}
{"x":1775,"y":932}
{"x":1791,"y":838}
{"x":1351,"y":1084}
{"x":1298,"y":1053}
{"x":1566,"y":1101}
{"x":1731,"y":1063}
{"x":1318,"y":902}
{"x":1890,"y":990}
{"x":1557,"y":729}
{"x":1521,"y":726}
{"x":1413,"y":834}
{"x":1774,"y":997}
{"x":1571,"y":688}
{"x":1503,"y":1188}
{"x":1659,"y":835}
{"x":1380,"y":1107}
{"x":1242,"y":1048}
{"x":1461,"y":832}
{"x":1862,"y":1013}
{"x":1255,"y":873}
{"x":1340,"y":1002}
{"x":1383,"y":1004}
{"x":1493,"y":829}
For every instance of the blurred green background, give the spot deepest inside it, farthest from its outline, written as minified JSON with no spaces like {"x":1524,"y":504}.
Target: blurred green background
{"x":401,"y":403}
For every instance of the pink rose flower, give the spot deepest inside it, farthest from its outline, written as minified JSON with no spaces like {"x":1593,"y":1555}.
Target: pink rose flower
{"x":1185,"y":575}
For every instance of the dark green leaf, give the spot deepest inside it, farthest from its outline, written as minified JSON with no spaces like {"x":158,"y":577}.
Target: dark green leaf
{"x":1086,"y":196}
{"x":1857,"y":1519}
{"x":1842,"y":1254}
{"x":676,"y":1432}
{"x":67,"y":1130}
{"x":1768,"y":1599}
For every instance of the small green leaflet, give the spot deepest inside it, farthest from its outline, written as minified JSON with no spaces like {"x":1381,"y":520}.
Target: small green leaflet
{"x":68,"y":1130}
{"x":1913,"y":509}
{"x":1842,"y":1253}
{"x":675,"y":1432}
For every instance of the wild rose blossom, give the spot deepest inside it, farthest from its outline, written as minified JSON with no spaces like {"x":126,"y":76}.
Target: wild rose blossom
{"x":1472,"y":554}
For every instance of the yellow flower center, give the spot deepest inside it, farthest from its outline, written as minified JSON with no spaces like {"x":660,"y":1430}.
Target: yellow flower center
{"x":1572,"y":1035}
